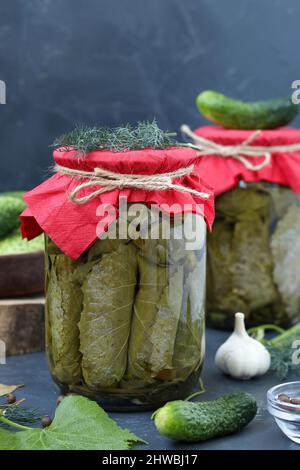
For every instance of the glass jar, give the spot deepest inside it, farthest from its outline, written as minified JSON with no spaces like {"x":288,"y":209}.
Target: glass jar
{"x":125,"y":321}
{"x":253,"y":256}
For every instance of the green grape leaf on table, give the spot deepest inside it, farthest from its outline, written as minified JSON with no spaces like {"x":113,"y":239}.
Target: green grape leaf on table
{"x":79,"y":424}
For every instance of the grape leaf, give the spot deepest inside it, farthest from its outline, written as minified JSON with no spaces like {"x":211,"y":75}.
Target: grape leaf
{"x":79,"y":424}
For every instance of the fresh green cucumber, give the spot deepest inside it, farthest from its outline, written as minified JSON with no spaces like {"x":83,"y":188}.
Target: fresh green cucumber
{"x":234,"y":114}
{"x":14,"y":244}
{"x":17,"y":194}
{"x":192,"y":422}
{"x":10,"y":209}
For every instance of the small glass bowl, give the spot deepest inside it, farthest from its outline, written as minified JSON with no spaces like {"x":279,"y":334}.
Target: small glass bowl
{"x":286,"y":415}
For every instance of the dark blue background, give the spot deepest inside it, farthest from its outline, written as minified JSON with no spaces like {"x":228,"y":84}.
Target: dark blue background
{"x":112,"y":61}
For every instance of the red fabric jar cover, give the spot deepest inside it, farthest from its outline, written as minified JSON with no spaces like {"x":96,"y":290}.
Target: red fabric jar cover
{"x":72,"y":227}
{"x":225,"y":173}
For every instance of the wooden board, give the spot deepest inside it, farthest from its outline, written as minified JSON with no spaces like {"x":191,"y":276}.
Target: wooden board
{"x":22,"y":275}
{"x":22,"y":325}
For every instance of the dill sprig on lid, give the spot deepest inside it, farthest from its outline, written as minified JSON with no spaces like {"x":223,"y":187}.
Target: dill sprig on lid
{"x":146,"y":134}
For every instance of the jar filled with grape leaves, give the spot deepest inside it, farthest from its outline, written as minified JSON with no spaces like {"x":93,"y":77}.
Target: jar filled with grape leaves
{"x":125,"y":243}
{"x":253,"y":251}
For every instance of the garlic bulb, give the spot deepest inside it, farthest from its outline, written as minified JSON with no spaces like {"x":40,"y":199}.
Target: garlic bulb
{"x":241,"y":356}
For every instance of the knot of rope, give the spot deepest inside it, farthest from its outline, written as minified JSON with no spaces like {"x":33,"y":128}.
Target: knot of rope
{"x":109,"y":180}
{"x":243,"y":152}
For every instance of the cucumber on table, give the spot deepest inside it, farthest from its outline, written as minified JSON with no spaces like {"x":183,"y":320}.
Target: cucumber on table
{"x":235,"y":114}
{"x":10,"y":209}
{"x":17,"y":194}
{"x":199,"y":421}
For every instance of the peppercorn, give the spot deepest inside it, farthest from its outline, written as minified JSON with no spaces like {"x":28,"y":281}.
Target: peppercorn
{"x":295,"y":400}
{"x":11,"y":398}
{"x":46,"y":421}
{"x":59,"y":399}
{"x":286,"y":399}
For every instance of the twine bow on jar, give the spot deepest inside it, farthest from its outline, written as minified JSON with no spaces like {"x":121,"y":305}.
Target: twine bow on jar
{"x":109,"y":180}
{"x":241,"y":152}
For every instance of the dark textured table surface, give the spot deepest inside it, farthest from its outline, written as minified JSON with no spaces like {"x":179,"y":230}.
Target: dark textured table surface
{"x":262,"y":433}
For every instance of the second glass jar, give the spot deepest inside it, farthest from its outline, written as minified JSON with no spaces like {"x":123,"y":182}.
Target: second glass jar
{"x":253,"y":256}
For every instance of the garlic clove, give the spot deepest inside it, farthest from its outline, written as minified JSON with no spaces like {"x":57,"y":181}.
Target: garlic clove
{"x":241,"y":356}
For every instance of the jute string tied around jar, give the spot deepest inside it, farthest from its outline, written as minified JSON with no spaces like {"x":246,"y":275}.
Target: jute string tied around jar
{"x":109,"y":180}
{"x":240,"y":152}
